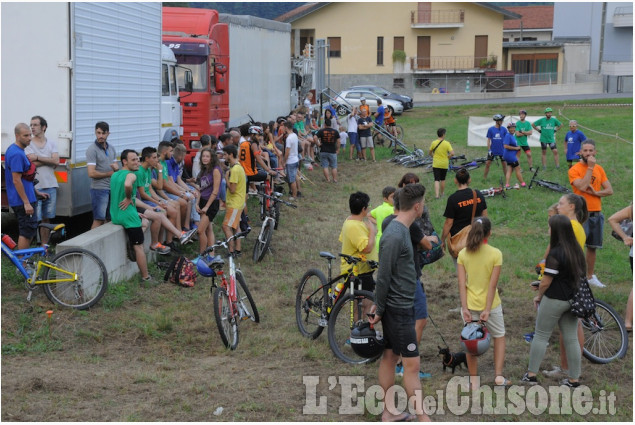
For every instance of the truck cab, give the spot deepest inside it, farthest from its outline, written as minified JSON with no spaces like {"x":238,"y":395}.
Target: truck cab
{"x":171,"y":115}
{"x":201,"y":45}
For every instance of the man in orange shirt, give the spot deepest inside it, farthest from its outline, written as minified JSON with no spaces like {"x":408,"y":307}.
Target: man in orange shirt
{"x":249,"y":155}
{"x":588,"y":179}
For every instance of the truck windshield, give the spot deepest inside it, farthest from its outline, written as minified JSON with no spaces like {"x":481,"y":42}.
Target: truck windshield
{"x":198,"y":65}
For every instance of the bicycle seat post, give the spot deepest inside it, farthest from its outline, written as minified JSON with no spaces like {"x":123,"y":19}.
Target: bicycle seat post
{"x":329,"y":269}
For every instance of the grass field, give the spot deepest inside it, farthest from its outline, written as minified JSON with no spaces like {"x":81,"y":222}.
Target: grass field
{"x":153,"y":353}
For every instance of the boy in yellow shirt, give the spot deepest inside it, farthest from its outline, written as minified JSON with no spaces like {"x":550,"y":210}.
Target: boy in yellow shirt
{"x":236,"y":196}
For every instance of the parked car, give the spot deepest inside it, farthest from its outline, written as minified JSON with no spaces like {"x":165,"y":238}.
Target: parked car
{"x":406,"y":101}
{"x":347,"y":98}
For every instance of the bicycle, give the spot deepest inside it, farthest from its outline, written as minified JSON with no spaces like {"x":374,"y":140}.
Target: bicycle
{"x":74,"y":278}
{"x":382,"y":133}
{"x":229,"y":299}
{"x":270,"y":222}
{"x":269,"y":187}
{"x":493,"y":191}
{"x":547,"y":184}
{"x":318,"y":305}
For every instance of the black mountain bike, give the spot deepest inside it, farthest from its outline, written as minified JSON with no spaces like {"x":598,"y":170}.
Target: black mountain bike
{"x":548,"y":184}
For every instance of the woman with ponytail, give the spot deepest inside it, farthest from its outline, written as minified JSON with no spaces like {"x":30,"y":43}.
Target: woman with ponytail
{"x":564,"y":268}
{"x":479,"y":266}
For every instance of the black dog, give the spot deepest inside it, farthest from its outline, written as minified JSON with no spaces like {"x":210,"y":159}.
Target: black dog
{"x":452,"y":359}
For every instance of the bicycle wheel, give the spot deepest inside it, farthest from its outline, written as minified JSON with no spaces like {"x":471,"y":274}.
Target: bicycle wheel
{"x":276,"y":215}
{"x":91,"y":283}
{"x":400,"y":132}
{"x":348,"y":311}
{"x":264,"y":239}
{"x":227,"y":325}
{"x":246,"y":305}
{"x":378,"y":139}
{"x":311,"y":303}
{"x":605,"y":337}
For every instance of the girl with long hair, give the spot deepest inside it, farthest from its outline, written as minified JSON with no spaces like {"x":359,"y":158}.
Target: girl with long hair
{"x":564,"y":267}
{"x":479,"y":267}
{"x":210,"y":180}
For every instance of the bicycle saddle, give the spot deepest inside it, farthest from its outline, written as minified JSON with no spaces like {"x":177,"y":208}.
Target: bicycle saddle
{"x":327,"y":255}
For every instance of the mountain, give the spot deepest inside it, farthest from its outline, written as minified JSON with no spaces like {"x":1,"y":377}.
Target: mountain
{"x":267,"y":10}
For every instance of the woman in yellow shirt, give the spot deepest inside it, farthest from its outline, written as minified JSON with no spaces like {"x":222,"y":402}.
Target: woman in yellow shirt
{"x":441,"y":152}
{"x":479,"y":266}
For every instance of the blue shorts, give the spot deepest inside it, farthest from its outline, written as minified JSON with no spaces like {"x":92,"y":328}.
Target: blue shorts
{"x":328,"y":160}
{"x":100,"y":200}
{"x":46,"y":207}
{"x":354,"y":138}
{"x":292,"y":170}
{"x":421,"y":302}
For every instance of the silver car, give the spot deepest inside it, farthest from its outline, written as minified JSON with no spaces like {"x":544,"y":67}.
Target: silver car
{"x":347,"y":98}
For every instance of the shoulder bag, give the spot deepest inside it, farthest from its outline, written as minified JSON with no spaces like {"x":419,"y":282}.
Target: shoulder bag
{"x":457,"y":242}
{"x":582,"y":302}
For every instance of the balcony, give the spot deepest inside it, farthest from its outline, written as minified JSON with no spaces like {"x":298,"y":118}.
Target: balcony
{"x":623,"y":17}
{"x":453,"y":63}
{"x":452,"y":18}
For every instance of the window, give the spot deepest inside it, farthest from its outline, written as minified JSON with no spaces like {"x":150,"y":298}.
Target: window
{"x":335,"y":47}
{"x":165,"y":81}
{"x":172,"y":80}
{"x":380,"y":50}
{"x":398,"y":83}
{"x":398,"y":44}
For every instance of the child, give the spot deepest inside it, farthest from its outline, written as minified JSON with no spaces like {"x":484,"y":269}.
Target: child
{"x":479,"y":266}
{"x":343,"y":137}
{"x":511,"y":148}
{"x":383,"y":211}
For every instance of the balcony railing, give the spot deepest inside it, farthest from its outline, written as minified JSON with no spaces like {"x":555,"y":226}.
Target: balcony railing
{"x":623,"y":17}
{"x":437,"y":17}
{"x":452,"y":62}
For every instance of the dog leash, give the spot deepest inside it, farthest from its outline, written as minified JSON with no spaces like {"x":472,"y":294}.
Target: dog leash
{"x":438,"y":331}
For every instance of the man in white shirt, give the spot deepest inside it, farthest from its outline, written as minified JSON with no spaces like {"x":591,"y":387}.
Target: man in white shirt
{"x":291,"y":159}
{"x":352,"y":134}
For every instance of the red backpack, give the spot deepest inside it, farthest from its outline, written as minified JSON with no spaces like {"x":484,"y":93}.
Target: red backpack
{"x":181,"y":271}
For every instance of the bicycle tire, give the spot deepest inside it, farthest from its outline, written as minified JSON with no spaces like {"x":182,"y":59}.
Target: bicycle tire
{"x":378,"y":139}
{"x":276,"y":215}
{"x":340,"y":325}
{"x":400,"y":133}
{"x":261,"y":246}
{"x":554,"y":186}
{"x":605,"y":337}
{"x":242,"y":293}
{"x":227,"y":325}
{"x":87,"y":290}
{"x":311,"y":303}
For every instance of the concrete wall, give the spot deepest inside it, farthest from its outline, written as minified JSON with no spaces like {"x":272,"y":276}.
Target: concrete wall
{"x":359,"y":25}
{"x":108,"y":242}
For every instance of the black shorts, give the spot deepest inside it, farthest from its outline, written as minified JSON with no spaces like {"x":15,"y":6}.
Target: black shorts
{"x":27,"y":224}
{"x":212,"y":210}
{"x":391,"y":124}
{"x":368,"y":283}
{"x":135,"y":235}
{"x":399,"y":331}
{"x":552,"y":146}
{"x":439,"y":174}
{"x":491,"y":156}
{"x":513,"y":164}
{"x":525,"y":148}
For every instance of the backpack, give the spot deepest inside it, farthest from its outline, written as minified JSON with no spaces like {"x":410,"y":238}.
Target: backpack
{"x":181,"y":271}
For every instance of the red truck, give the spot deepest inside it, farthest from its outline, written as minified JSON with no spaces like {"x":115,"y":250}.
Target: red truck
{"x":200,"y":43}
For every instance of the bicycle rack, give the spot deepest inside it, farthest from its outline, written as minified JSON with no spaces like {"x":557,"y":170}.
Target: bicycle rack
{"x":344,"y":108}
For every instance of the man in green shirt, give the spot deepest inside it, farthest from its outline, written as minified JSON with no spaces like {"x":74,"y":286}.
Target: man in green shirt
{"x":523,"y":130}
{"x":547,"y":127}
{"x":123,"y":187}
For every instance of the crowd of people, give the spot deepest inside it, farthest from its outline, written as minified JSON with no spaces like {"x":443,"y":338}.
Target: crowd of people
{"x":154,"y":188}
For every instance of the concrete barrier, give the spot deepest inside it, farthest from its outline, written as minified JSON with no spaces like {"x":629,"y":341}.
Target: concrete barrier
{"x":108,"y":242}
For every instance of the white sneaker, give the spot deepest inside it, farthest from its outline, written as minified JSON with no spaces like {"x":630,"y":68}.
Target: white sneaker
{"x":596,"y":282}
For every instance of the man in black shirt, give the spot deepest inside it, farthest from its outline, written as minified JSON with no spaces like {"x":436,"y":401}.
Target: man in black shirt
{"x":329,"y":142}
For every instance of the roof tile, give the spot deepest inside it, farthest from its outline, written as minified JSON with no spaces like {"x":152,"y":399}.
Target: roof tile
{"x":533,"y":17}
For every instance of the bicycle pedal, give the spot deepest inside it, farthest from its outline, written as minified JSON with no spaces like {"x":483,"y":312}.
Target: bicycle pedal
{"x":28,"y":297}
{"x":323,"y":323}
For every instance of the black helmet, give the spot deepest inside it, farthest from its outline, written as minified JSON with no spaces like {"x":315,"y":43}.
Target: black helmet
{"x":499,"y":117}
{"x":475,"y":338}
{"x":366,"y":342}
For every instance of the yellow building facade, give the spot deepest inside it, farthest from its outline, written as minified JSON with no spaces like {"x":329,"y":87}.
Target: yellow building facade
{"x":436,"y":37}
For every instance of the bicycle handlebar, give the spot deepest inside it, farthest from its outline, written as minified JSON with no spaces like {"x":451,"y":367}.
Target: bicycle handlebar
{"x":354,"y":260}
{"x":223,"y":243}
{"x":456,"y":158}
{"x":276,"y":199}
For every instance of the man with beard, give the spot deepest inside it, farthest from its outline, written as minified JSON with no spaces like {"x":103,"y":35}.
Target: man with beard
{"x":589,"y":180}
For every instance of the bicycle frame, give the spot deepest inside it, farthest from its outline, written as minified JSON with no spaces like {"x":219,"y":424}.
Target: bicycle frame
{"x":20,"y":255}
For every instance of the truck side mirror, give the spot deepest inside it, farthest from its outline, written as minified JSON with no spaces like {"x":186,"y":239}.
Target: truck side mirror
{"x":220,"y":82}
{"x":189,"y":82}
